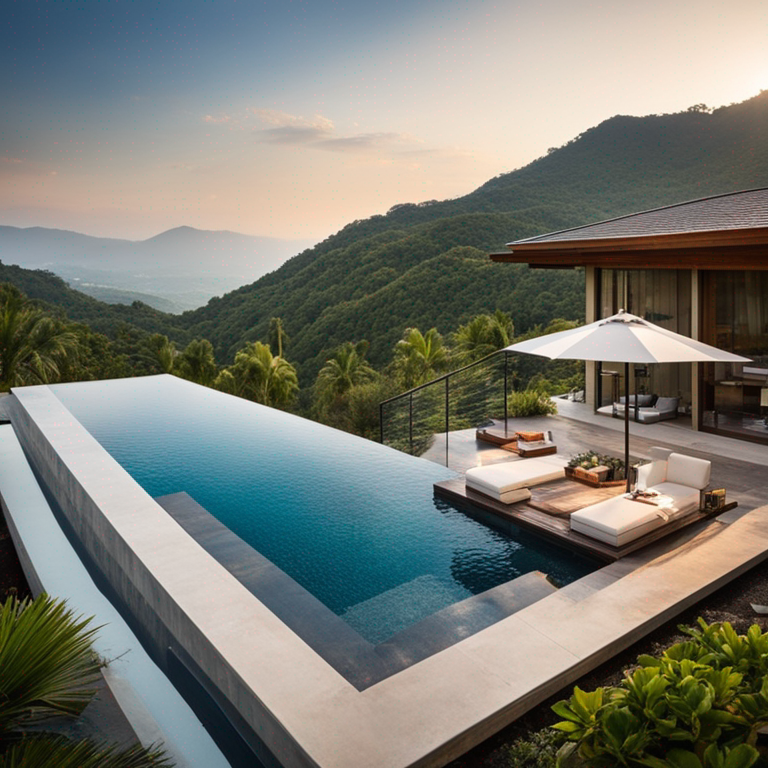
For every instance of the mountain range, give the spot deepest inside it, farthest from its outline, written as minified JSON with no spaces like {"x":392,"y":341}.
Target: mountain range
{"x":426,"y":264}
{"x":183,"y":266}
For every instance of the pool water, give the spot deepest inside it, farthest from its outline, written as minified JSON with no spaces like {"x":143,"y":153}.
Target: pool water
{"x":354,"y":522}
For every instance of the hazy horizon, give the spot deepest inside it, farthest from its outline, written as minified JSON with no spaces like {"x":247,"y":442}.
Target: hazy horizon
{"x":290,"y":121}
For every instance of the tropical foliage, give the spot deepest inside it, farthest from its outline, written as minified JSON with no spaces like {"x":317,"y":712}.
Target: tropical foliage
{"x":197,"y":363}
{"x":419,"y":357}
{"x":699,"y":705}
{"x":482,"y":335}
{"x":48,"y":668}
{"x":344,"y":370}
{"x":33,"y":345}
{"x":260,"y":376}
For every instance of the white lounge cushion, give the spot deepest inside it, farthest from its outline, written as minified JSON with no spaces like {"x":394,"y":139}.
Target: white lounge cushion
{"x":617,"y":521}
{"x":687,"y":470}
{"x":505,"y":497}
{"x":495,"y":480}
{"x":675,"y":499}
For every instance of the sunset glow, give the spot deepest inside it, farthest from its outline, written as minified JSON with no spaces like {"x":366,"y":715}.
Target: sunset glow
{"x":292,"y":119}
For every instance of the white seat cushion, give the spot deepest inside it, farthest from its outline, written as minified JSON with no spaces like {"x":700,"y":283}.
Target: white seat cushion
{"x":617,"y":521}
{"x":675,"y":499}
{"x":497,"y":479}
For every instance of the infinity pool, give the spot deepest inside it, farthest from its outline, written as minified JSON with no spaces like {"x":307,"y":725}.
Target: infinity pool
{"x":353,"y":522}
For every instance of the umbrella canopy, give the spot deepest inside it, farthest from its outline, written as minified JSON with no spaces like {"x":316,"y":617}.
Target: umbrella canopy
{"x":624,"y":338}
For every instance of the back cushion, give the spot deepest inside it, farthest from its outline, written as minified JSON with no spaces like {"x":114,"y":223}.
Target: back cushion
{"x":686,"y":470}
{"x":643,"y":401}
{"x":667,"y":403}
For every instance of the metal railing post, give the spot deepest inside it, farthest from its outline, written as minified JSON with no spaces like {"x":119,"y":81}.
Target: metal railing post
{"x":410,"y":423}
{"x":381,"y":423}
{"x":446,"y":420}
{"x":506,"y":357}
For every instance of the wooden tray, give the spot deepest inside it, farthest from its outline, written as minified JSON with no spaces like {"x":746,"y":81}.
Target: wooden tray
{"x":571,"y":474}
{"x":529,"y":453}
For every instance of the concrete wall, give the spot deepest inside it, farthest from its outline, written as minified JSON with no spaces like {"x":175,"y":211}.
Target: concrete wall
{"x":170,"y":585}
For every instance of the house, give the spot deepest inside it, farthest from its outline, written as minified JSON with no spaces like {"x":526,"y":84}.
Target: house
{"x":698,"y":268}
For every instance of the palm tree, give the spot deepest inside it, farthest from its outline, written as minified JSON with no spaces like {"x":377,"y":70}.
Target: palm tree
{"x":44,"y":751}
{"x":419,"y":356}
{"x":276,"y":336}
{"x":159,"y":353}
{"x":197,"y":362}
{"x":482,"y":335}
{"x":48,"y":668}
{"x":32,"y":344}
{"x":346,"y":368}
{"x":262,"y":377}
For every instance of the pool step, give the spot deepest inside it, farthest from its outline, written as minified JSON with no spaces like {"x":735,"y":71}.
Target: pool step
{"x":390,"y":612}
{"x":456,"y":620}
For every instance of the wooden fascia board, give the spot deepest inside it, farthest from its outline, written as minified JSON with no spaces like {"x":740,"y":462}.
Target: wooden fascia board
{"x":714,"y":239}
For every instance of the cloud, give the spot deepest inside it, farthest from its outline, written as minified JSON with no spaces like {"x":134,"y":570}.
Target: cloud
{"x":361,"y":142}
{"x":292,"y":129}
{"x":217,"y":120}
{"x":319,"y":132}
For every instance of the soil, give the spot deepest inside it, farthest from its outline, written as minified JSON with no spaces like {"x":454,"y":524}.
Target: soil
{"x":732,"y":603}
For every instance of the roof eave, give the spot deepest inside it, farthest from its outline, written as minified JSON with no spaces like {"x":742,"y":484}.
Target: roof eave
{"x":702,"y":239}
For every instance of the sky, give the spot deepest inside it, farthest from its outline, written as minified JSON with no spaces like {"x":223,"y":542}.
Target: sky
{"x":292,"y":118}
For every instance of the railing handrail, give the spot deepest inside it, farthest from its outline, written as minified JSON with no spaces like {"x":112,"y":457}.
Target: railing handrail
{"x":446,"y":377}
{"x":441,"y":377}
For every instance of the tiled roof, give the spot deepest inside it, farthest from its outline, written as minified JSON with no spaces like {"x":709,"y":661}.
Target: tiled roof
{"x":736,"y":210}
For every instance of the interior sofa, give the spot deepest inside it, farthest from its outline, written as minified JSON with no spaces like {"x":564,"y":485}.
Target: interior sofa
{"x":509,"y":481}
{"x":677,"y":483}
{"x":650,"y":408}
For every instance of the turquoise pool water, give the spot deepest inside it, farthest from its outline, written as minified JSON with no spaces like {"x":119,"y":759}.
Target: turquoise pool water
{"x":354,"y":522}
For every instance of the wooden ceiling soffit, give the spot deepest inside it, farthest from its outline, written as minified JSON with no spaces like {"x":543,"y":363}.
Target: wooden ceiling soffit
{"x":722,"y":258}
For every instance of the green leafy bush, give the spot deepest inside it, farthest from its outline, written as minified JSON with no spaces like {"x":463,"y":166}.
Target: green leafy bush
{"x":699,"y":705}
{"x":530,"y":403}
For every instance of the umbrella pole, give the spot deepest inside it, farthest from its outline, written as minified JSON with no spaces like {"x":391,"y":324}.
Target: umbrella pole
{"x":626,"y":425}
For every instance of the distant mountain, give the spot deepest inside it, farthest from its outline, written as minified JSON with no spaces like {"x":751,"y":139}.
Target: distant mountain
{"x":184,"y":265}
{"x":116,"y":296}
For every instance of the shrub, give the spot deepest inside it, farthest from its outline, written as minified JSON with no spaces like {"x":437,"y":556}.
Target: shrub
{"x":529,"y":403}
{"x":699,"y":705}
{"x":539,"y":750}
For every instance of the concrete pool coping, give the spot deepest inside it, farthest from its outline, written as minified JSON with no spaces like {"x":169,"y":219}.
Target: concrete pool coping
{"x":306,"y":712}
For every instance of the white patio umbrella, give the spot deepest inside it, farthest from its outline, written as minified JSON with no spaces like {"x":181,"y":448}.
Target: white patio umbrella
{"x":624,"y":338}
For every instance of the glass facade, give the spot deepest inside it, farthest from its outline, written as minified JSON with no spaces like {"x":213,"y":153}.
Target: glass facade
{"x":663,"y":297}
{"x":734,"y":314}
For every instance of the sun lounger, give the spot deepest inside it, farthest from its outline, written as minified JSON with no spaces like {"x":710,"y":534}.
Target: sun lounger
{"x":509,"y":481}
{"x":677,"y":484}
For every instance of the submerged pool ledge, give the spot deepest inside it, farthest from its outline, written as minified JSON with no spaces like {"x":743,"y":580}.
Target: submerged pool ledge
{"x":304,"y":710}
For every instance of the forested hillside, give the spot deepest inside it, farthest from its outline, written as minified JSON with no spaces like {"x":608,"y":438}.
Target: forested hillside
{"x":424,"y":265}
{"x":98,"y":315}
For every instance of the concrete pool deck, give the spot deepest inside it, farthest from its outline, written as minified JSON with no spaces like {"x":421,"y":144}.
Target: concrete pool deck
{"x":306,"y":712}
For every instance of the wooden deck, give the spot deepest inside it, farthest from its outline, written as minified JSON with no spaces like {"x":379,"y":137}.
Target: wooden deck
{"x":548,"y":510}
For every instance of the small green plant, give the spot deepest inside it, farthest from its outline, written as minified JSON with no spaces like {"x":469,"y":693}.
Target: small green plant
{"x":530,"y":403}
{"x":591,"y":459}
{"x":538,"y":750}
{"x":699,"y":705}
